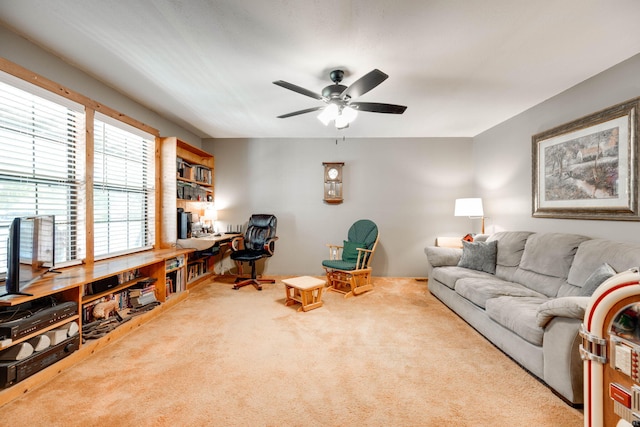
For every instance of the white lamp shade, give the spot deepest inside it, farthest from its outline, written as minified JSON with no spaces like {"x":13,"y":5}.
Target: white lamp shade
{"x":211,"y":214}
{"x":330,"y":112}
{"x":469,"y":207}
{"x":342,"y":122}
{"x":349,"y":114}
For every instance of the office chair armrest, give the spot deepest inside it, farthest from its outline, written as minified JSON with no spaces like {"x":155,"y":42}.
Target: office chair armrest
{"x":270,"y":245}
{"x":237,"y":243}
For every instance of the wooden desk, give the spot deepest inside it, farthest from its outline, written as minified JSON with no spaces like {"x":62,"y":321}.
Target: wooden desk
{"x":199,"y":266}
{"x":206,"y":242}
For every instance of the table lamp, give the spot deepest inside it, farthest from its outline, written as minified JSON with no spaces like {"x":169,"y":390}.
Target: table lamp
{"x":211,"y":215}
{"x":471,"y":207}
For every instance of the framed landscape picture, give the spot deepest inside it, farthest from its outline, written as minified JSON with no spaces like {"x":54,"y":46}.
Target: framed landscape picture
{"x":587,"y":169}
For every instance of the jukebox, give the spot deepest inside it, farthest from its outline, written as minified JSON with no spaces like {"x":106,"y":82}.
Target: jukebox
{"x":610,"y":350}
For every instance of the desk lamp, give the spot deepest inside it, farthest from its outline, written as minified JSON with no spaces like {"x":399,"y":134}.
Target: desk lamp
{"x":471,"y":207}
{"x":211,"y":215}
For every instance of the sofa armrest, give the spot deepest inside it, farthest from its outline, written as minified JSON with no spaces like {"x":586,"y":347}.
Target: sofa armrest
{"x":570,"y":307}
{"x":440,"y":256}
{"x":563,"y":367}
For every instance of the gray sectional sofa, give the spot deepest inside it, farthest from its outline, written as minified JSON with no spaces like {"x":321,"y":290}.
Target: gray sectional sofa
{"x":527,"y":292}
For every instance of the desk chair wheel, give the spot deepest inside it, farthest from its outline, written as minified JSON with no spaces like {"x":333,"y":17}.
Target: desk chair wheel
{"x":242,"y":283}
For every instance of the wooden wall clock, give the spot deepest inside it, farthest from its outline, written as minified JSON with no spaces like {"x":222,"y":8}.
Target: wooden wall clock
{"x":333,"y":182}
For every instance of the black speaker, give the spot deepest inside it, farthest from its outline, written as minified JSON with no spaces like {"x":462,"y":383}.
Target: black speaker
{"x":103,"y":284}
{"x":184,"y":224}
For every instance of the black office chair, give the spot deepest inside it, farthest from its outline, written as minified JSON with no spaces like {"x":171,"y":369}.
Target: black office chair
{"x":258,"y":242}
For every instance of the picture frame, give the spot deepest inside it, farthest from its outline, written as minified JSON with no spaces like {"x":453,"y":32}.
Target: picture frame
{"x":587,"y":169}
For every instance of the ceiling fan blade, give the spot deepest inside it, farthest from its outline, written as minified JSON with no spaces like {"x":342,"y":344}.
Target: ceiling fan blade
{"x":295,"y":113}
{"x":298,"y":89}
{"x":364,"y":84}
{"x":376,"y":107}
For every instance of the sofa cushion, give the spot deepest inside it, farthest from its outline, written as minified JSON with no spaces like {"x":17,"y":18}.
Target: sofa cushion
{"x":598,"y":276}
{"x":546,"y":261}
{"x":479,"y":256}
{"x":510,"y":246}
{"x":448,"y":276}
{"x":571,"y":307}
{"x":510,"y":249}
{"x":620,"y":256}
{"x":479,"y":290}
{"x":518,"y":314}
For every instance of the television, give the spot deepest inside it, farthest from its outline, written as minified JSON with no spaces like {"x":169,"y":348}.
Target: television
{"x":30,"y":252}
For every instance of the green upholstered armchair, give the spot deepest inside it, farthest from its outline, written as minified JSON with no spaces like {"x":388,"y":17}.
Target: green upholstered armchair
{"x":348,"y":267}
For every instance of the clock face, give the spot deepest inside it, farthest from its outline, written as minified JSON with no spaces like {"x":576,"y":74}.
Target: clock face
{"x":332,"y":173}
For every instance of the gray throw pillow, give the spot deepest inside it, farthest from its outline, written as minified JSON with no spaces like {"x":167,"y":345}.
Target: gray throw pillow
{"x":602,"y":273}
{"x":479,"y":256}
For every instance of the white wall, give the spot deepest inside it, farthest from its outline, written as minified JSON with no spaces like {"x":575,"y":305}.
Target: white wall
{"x":502,"y":156}
{"x":407,"y":186}
{"x":22,"y":52}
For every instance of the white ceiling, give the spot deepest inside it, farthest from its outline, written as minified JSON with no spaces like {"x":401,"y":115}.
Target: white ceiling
{"x":461,"y":66}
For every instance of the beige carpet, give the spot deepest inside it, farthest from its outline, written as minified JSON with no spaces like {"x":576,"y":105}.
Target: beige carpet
{"x":393,"y":357}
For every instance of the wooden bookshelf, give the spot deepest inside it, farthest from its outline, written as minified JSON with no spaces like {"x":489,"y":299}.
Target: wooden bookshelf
{"x":70,"y":285}
{"x":187,"y":182}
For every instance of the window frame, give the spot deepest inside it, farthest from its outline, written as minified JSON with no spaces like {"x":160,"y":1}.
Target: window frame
{"x":91,"y":108}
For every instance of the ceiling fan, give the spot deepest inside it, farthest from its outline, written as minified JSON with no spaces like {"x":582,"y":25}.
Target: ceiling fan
{"x":338,"y":98}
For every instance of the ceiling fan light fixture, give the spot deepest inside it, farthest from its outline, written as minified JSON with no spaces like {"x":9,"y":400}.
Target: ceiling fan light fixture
{"x":349,"y":114}
{"x":331,"y":112}
{"x":338,"y":99}
{"x":342,"y":121}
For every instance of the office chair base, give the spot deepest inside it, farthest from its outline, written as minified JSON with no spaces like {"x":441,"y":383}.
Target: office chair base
{"x":257,"y":283}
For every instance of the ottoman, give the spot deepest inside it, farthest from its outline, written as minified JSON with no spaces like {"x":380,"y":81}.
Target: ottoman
{"x":305,"y":290}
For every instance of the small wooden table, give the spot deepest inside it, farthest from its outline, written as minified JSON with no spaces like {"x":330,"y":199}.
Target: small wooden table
{"x":305,"y":290}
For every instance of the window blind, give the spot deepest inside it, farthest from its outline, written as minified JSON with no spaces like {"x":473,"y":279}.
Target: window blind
{"x":124,"y":188}
{"x":41,"y":164}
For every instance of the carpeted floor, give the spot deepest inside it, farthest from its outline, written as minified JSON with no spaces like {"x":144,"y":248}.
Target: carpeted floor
{"x":393,"y":357}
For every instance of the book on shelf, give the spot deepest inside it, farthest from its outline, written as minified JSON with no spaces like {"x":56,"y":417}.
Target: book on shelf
{"x":191,"y":191}
{"x":196,"y":270}
{"x":140,"y":292}
{"x":202,"y":174}
{"x":184,"y":169}
{"x":143,"y":293}
{"x":143,"y":299}
{"x":174,"y":282}
{"x":175,"y":262}
{"x":128,"y":276}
